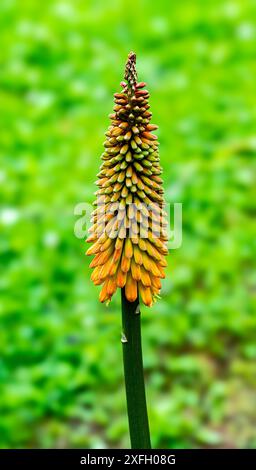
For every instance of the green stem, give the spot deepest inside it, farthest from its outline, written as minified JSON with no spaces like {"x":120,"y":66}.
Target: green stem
{"x":133,"y":373}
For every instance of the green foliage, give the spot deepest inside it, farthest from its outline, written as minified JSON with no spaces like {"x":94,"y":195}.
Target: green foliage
{"x":60,"y":367}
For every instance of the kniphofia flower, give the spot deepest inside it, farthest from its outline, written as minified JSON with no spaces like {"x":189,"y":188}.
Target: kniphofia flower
{"x":128,"y":224}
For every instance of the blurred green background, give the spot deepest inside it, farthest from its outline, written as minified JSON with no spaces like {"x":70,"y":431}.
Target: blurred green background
{"x":60,"y":364}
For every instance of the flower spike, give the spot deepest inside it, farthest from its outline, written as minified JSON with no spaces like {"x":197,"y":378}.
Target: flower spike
{"x":128,"y":224}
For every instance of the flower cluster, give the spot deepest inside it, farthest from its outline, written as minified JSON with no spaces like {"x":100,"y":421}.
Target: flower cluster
{"x":129,"y":227}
